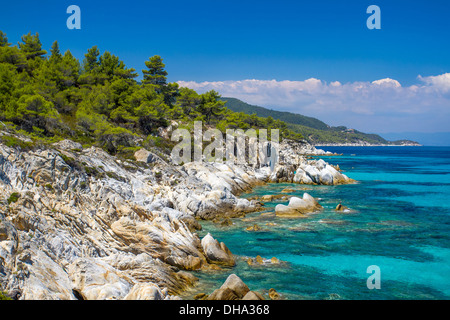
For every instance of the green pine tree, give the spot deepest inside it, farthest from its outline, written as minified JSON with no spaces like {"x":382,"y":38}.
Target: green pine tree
{"x":155,"y":75}
{"x":3,"y":40}
{"x":31,"y":46}
{"x":56,"y":55}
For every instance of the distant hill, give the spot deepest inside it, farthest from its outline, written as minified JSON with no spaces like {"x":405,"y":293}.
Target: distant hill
{"x":288,"y":117}
{"x":315,"y":131}
{"x":426,"y":139}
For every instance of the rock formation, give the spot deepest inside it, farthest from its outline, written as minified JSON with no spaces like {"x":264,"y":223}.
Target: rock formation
{"x":234,"y":289}
{"x":81,"y":224}
{"x":298,"y":206}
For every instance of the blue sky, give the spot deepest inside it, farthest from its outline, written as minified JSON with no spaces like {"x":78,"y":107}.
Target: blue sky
{"x":230,"y":41}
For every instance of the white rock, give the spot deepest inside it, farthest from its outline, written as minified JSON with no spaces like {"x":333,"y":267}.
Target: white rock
{"x":97,"y":280}
{"x":216,"y":252}
{"x":145,"y":291}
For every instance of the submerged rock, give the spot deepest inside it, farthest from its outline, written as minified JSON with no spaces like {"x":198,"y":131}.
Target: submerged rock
{"x":341,"y":208}
{"x":288,"y":190}
{"x":259,"y":261}
{"x":267,"y":198}
{"x":200,"y":296}
{"x":255,"y":227}
{"x":273,"y":197}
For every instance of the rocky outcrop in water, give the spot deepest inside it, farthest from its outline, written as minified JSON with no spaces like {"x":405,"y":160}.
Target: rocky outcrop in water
{"x":293,"y":167}
{"x":217,"y":252}
{"x":298,"y":206}
{"x":234,"y":289}
{"x":309,"y":172}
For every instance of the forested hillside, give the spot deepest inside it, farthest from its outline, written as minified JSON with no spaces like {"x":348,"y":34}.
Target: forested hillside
{"x":289,"y":117}
{"x":49,"y":95}
{"x":314,"y":130}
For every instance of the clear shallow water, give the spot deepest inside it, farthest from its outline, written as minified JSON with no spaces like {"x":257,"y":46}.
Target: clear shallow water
{"x":400,"y":221}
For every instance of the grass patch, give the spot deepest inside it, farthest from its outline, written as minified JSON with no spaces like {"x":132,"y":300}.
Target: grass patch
{"x":14,"y":142}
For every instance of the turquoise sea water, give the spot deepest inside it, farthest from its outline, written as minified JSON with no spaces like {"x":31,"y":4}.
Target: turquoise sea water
{"x":399,"y":221}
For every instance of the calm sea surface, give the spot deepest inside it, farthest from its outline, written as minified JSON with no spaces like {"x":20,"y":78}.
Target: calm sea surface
{"x":399,"y":221}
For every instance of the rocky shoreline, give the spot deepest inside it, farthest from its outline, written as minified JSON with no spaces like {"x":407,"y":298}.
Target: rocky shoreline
{"x":81,"y":224}
{"x":366,"y":144}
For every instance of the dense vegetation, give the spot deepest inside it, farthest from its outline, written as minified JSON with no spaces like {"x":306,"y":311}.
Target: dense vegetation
{"x":314,"y":130}
{"x":289,"y":117}
{"x":49,"y":96}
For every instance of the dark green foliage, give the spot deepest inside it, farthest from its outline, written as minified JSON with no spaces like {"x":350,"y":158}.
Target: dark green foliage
{"x":289,"y":117}
{"x":3,"y":40}
{"x":155,"y":75}
{"x":72,"y":162}
{"x":14,"y":57}
{"x":111,"y":66}
{"x":52,"y":97}
{"x":3,"y":296}
{"x":55,"y":53}
{"x":13,"y":197}
{"x":211,"y":106}
{"x":90,"y":62}
{"x":31,"y":46}
{"x":93,"y":172}
{"x":115,"y":176}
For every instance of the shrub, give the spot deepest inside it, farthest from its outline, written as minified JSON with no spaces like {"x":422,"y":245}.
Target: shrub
{"x":3,"y":296}
{"x":13,"y":197}
{"x":14,"y":142}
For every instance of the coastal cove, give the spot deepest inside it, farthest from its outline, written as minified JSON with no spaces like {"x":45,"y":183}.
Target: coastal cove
{"x":110,"y":228}
{"x":398,"y":219}
{"x":225,"y":158}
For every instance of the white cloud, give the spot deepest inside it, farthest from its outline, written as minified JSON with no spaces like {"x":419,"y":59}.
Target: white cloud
{"x":440,"y":82}
{"x":387,"y":82}
{"x":382,"y":105}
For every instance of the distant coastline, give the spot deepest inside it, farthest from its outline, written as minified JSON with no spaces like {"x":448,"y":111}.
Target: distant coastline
{"x":412,"y":144}
{"x":317,"y":132}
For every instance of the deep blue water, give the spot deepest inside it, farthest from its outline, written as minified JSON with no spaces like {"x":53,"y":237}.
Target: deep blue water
{"x":399,"y":221}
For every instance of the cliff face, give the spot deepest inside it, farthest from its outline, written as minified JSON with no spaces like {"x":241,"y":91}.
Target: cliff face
{"x":82,"y":224}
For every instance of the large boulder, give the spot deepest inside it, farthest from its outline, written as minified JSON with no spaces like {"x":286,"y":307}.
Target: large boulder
{"x":234,"y":289}
{"x":144,"y":155}
{"x":298,"y":206}
{"x":319,"y":172}
{"x":282,"y":173}
{"x":217,"y":252}
{"x":235,"y":283}
{"x":163,"y":238}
